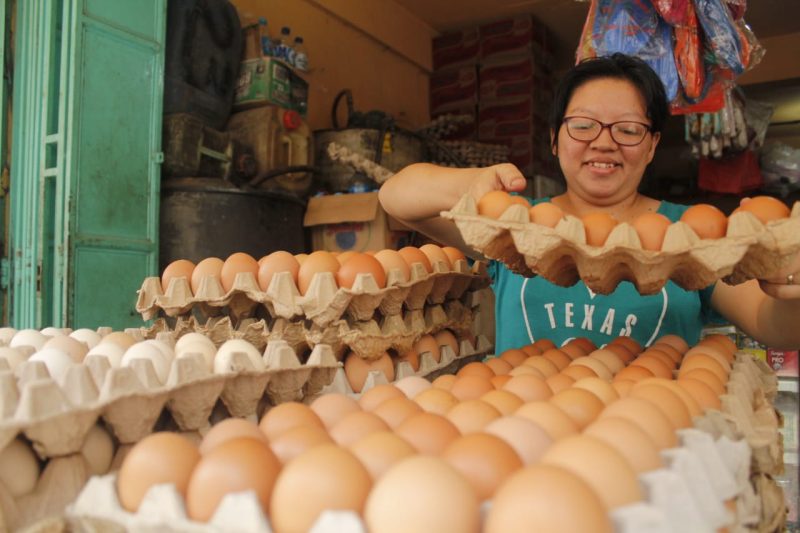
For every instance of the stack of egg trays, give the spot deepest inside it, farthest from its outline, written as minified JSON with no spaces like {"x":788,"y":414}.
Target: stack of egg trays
{"x":712,"y":464}
{"x":364,"y":319}
{"x":749,"y":250}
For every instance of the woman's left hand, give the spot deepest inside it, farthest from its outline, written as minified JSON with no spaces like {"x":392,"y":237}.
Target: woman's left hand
{"x":785,"y":284}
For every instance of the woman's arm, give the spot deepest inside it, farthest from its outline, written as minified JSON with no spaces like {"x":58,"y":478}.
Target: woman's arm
{"x":767,"y":310}
{"x":418,"y":193}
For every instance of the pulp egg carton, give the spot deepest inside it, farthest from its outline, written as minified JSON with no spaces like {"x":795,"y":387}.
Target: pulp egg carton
{"x":323,"y":302}
{"x":56,"y":415}
{"x":750,"y":250}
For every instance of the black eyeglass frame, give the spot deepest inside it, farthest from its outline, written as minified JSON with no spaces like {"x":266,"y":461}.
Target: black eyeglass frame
{"x":609,"y":125}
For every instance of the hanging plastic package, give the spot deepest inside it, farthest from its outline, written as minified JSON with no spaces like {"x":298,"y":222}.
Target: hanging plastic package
{"x":688,"y":57}
{"x":721,"y":34}
{"x":631,"y":27}
{"x":586,"y":48}
{"x":752,"y":51}
{"x":674,"y":12}
{"x":736,"y":8}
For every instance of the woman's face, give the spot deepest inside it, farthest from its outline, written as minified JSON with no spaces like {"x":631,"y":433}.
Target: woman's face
{"x":603,"y":172}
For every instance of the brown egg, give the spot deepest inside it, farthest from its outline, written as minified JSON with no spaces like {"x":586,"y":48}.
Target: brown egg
{"x":476,"y":368}
{"x":208,"y":267}
{"x":504,"y":401}
{"x":542,"y":365}
{"x":724,"y":342}
{"x":436,"y":400}
{"x":529,"y":388}
{"x":600,"y":388}
{"x":580,"y":405}
{"x":396,"y":410}
{"x":436,"y":255}
{"x":182,"y":268}
{"x":585,"y":343}
{"x":412,"y":385}
{"x":525,"y":369}
{"x":598,"y":226}
{"x":236,"y":466}
{"x":234,"y":265}
{"x":447,"y":338}
{"x":297,"y":440}
{"x":471,"y":387}
{"x":705,"y":376}
{"x":317,"y":262}
{"x":444,"y":502}
{"x":622,"y":352}
{"x":546,"y":214}
{"x":707,"y":221}
{"x":577,"y":372}
{"x":654,"y":365}
{"x":666,"y":400}
{"x":357,"y":369}
{"x":630,"y":343}
{"x":687,"y":399}
{"x":629,"y":440}
{"x":701,"y":392}
{"x":494,"y":203}
{"x":331,"y":408}
{"x":633,"y":373}
{"x":560,"y":359}
{"x":675,"y":341}
{"x":472,"y":415}
{"x":498,"y":382}
{"x":549,"y":417}
{"x":428,"y":343}
{"x":413,"y":255}
{"x":285,"y":416}
{"x":702,"y":361}
{"x":572,"y":351}
{"x":356,"y":426}
{"x":530,"y":349}
{"x":714,"y":352}
{"x":673,"y":354}
{"x":378,"y":394}
{"x":609,"y":359}
{"x":454,"y":254}
{"x":379,"y":451}
{"x":428,"y":433}
{"x":301,"y":258}
{"x":391,"y":260}
{"x":360,"y":264}
{"x":544,"y":498}
{"x":444,"y":382}
{"x":411,"y":357}
{"x":484,"y":460}
{"x":661,"y":356}
{"x":623,"y":387}
{"x":499,"y":367}
{"x":559,"y":382}
{"x":651,"y":228}
{"x":765,"y":208}
{"x":344,"y":256}
{"x":647,"y":416}
{"x":274,"y":263}
{"x":228,"y":429}
{"x":595,"y":365}
{"x":528,"y":439}
{"x":158,"y":458}
{"x":542,"y":345}
{"x":324,"y":477}
{"x":120,"y":338}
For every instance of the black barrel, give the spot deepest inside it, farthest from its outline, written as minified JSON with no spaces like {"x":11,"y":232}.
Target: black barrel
{"x":205,"y":217}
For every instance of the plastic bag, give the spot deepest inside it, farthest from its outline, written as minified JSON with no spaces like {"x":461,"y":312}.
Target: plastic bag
{"x":688,"y":56}
{"x":736,"y":8}
{"x":674,"y":12}
{"x":752,"y":51}
{"x":721,"y":34}
{"x":780,"y":165}
{"x":631,"y":27}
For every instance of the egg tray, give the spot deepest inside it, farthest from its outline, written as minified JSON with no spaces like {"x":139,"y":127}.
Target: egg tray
{"x":56,"y":417}
{"x":323,"y":303}
{"x":750,"y":250}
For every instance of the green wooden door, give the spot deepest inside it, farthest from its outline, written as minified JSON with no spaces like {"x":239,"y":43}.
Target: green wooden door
{"x":92,"y":102}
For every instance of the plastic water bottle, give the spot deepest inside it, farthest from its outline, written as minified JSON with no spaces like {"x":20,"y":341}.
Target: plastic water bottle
{"x":284,"y":50}
{"x":300,"y":56}
{"x":267,"y":48}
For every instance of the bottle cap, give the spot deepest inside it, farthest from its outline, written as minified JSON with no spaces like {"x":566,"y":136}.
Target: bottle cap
{"x":298,"y":39}
{"x":291,"y":119}
{"x":285,"y":30}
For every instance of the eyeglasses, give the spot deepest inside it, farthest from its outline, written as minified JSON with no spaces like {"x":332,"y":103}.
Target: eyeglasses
{"x":624,"y":132}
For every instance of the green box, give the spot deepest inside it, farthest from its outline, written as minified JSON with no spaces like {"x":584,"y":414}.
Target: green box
{"x":267,"y":80}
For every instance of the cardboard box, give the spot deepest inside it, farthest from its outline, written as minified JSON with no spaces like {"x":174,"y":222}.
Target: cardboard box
{"x":505,"y":118}
{"x":518,"y":36}
{"x":457,"y":87}
{"x":515,"y":77}
{"x":343,"y":222}
{"x":268,"y":80}
{"x":456,"y":48}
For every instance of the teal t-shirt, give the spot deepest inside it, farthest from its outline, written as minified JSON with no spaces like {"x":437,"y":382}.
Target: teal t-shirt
{"x":529,"y":309}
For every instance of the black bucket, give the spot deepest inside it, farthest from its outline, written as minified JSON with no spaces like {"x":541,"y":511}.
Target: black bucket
{"x":205,"y":217}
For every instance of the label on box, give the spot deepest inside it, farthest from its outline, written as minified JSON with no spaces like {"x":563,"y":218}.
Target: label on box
{"x":521,"y":35}
{"x":456,"y":48}
{"x":456,"y":87}
{"x":505,"y":119}
{"x":267,"y":80}
{"x":783,"y":362}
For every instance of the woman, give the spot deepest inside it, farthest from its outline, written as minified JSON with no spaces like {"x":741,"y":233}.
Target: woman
{"x":606,"y":122}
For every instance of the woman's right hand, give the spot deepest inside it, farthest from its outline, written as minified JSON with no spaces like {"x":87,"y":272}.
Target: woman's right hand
{"x":502,"y":177}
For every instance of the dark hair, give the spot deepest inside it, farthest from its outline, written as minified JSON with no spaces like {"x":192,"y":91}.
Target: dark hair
{"x":617,"y":66}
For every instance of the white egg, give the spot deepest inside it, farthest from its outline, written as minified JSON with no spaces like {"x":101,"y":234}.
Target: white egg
{"x":143,"y":350}
{"x":56,"y":332}
{"x":19,"y":469}
{"x":56,"y":361}
{"x":223,"y":361}
{"x":87,"y":336}
{"x":201,"y":348}
{"x":98,"y":449}
{"x":28,"y":337}
{"x":191,"y":338}
{"x":163,"y":347}
{"x":113,"y":352}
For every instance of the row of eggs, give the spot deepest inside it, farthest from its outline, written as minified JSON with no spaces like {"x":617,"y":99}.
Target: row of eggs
{"x":345,"y":266}
{"x":550,"y":454}
{"x":707,"y":221}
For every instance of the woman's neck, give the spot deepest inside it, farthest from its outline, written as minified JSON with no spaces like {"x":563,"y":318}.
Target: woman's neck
{"x":624,"y":210}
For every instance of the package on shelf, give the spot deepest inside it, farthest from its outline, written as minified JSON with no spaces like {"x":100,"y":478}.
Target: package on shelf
{"x":460,"y":47}
{"x":515,"y":77}
{"x":454,"y":87}
{"x":750,"y":250}
{"x":520,"y":36}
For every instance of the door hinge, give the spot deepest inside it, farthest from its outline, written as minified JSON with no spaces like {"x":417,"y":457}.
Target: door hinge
{"x":158,"y":157}
{"x":5,"y":273}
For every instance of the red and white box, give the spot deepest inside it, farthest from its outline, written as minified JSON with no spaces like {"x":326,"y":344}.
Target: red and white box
{"x":505,"y":118}
{"x":456,"y":48}
{"x":518,"y":36}
{"x":453,"y":88}
{"x":783,"y":362}
{"x":514,"y":77}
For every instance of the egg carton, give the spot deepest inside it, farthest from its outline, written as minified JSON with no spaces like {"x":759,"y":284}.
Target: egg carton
{"x":750,"y":250}
{"x":323,"y":303}
{"x":56,"y":417}
{"x":368,"y":339}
